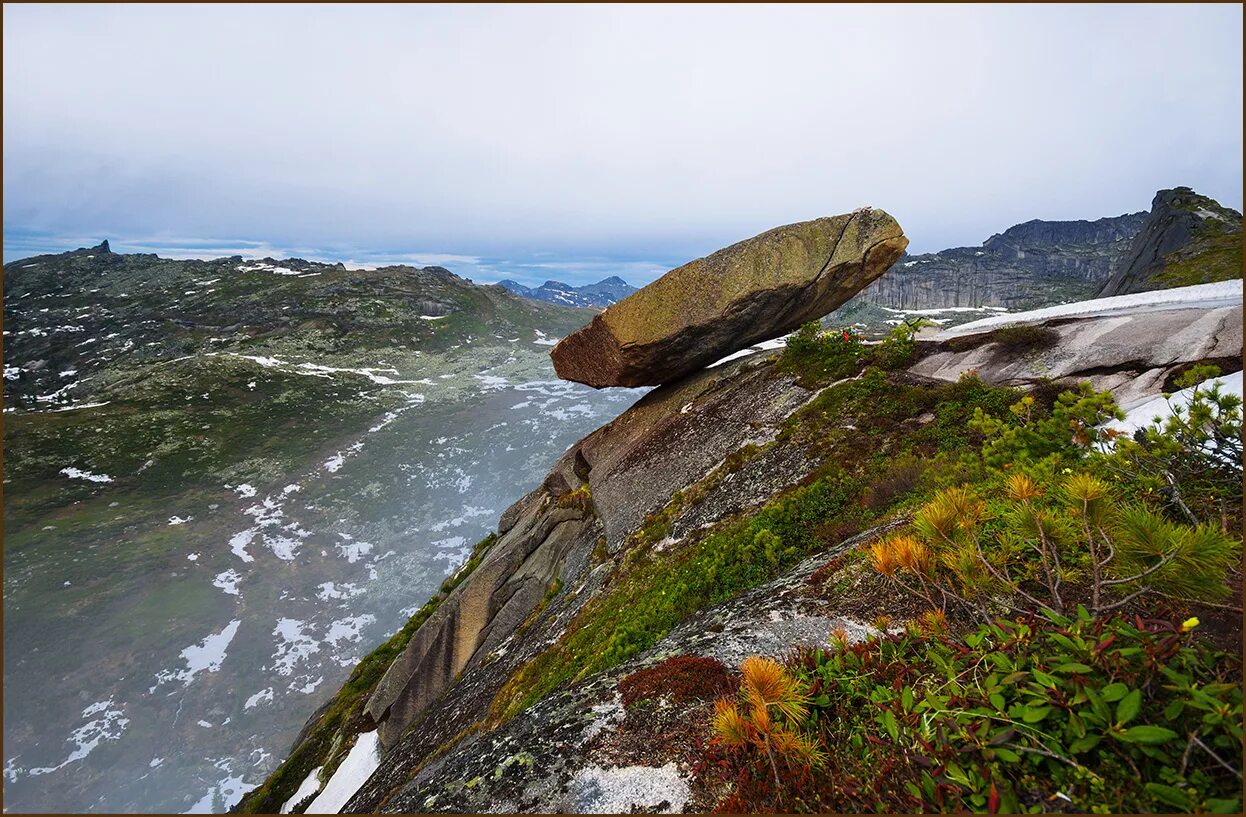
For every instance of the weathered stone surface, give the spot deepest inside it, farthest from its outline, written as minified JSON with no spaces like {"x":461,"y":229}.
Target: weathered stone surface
{"x":1127,"y":354}
{"x":534,"y":762}
{"x":752,"y":291}
{"x":668,"y":440}
{"x":509,"y":583}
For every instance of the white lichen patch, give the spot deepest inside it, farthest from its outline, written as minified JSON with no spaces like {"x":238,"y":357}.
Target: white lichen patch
{"x":627,"y":789}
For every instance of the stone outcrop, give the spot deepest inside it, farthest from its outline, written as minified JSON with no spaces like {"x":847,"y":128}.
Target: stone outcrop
{"x":752,"y":291}
{"x":1130,"y":350}
{"x":1187,"y":239}
{"x":677,"y":437}
{"x":1028,"y":265}
{"x":560,"y":548}
{"x":599,"y":492}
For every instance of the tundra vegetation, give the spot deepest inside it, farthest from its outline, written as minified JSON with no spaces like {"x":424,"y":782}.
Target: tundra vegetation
{"x":1049,"y":662}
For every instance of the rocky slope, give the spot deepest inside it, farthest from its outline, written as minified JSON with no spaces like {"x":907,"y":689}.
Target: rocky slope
{"x":602,"y":293}
{"x":1187,"y":239}
{"x":222,"y":480}
{"x":692,"y":524}
{"x":1026,"y":266}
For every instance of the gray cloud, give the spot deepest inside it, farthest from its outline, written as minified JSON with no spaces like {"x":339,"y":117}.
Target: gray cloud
{"x":642,"y":134}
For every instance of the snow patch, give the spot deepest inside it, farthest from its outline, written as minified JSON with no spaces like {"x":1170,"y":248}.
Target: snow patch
{"x":1159,"y":409}
{"x":206,"y":656}
{"x":106,"y":723}
{"x":264,"y":696}
{"x":294,"y":647}
{"x":309,"y":786}
{"x":77,"y":473}
{"x":228,"y":581}
{"x":360,"y":763}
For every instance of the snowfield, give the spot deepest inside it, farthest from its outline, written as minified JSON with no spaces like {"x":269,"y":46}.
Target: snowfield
{"x":1200,"y":296}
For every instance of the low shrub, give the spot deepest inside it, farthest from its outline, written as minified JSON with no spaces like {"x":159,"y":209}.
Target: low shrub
{"x":818,"y":357}
{"x":1036,"y":714}
{"x":681,"y":679}
{"x":1025,"y":337}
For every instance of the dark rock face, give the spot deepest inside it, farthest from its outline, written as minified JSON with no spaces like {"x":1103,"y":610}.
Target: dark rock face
{"x":602,"y":293}
{"x":1026,"y":266}
{"x":629,"y":468}
{"x":752,"y":291}
{"x":1187,"y":230}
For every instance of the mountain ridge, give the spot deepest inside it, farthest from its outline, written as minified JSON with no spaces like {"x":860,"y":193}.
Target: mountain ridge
{"x":599,"y":294}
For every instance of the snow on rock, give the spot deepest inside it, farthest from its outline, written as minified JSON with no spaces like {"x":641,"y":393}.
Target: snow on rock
{"x":352,"y":551}
{"x":294,"y":647}
{"x":334,"y":463}
{"x":626,"y":789}
{"x":354,"y":771}
{"x":238,"y":544}
{"x":309,"y":786}
{"x":331,"y":590}
{"x":349,"y":629}
{"x":221,"y":797}
{"x":264,"y":696}
{"x":764,"y":346}
{"x":1201,"y":296}
{"x":228,"y":581}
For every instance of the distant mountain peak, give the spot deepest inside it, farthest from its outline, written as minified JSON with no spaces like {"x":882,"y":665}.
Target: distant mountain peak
{"x":1188,"y":238}
{"x":603,"y":293}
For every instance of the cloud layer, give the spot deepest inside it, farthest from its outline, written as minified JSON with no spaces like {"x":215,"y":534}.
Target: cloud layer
{"x":648,"y":134}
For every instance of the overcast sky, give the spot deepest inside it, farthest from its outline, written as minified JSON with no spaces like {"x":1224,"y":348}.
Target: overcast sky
{"x":577,"y":142}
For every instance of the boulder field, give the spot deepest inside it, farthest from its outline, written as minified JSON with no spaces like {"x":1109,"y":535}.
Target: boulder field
{"x":752,"y":291}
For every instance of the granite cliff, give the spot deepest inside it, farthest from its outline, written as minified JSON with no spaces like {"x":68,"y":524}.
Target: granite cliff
{"x":1026,"y":266}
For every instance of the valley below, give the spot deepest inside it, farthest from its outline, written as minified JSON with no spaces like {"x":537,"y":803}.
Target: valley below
{"x":201,"y":542}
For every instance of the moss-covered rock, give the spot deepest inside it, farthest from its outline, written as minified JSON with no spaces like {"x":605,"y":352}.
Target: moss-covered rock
{"x":752,"y":291}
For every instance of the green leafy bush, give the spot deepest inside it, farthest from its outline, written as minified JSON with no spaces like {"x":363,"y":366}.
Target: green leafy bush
{"x":897,"y":349}
{"x":818,"y":357}
{"x":1039,"y":714}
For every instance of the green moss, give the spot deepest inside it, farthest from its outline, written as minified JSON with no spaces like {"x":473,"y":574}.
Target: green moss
{"x":1217,"y":257}
{"x":478,"y":553}
{"x":581,"y":498}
